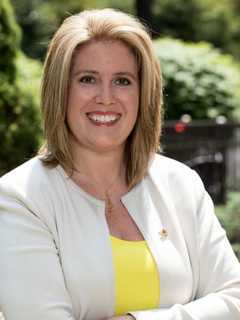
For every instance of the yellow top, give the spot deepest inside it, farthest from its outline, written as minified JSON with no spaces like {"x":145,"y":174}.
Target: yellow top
{"x":136,"y":276}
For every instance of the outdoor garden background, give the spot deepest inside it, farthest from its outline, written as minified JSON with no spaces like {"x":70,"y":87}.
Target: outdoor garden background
{"x":198,"y":44}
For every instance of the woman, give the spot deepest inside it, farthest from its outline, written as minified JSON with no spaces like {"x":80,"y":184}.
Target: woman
{"x":98,"y":226}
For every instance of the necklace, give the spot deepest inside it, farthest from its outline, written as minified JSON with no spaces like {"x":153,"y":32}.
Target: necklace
{"x":109,"y":206}
{"x":108,"y":202}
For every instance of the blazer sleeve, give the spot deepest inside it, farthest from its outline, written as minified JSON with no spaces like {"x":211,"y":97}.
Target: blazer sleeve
{"x":218,"y":293}
{"x":31,"y":279}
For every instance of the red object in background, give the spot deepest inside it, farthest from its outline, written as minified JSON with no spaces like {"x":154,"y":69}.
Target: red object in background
{"x":180,"y":127}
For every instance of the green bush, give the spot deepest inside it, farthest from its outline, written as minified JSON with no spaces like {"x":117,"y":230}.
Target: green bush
{"x":185,"y":26}
{"x":219,"y":24}
{"x":23,"y":132}
{"x":199,"y":80}
{"x":40,"y":18}
{"x":9,"y":42}
{"x":212,"y":21}
{"x":229,"y":217}
{"x":19,"y":89}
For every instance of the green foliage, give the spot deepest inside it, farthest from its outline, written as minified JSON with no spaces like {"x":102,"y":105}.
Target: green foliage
{"x":19,"y":117}
{"x":176,"y":18}
{"x":37,"y":26}
{"x":219,"y":24}
{"x":229,"y":216}
{"x":9,"y":41}
{"x":40,"y":18}
{"x":199,"y":80}
{"x":56,"y":12}
{"x":214,"y":21}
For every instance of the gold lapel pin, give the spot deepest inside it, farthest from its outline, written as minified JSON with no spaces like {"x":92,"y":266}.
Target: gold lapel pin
{"x":163,"y":234}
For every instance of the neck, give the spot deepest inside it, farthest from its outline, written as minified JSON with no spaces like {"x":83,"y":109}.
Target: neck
{"x":102,"y":168}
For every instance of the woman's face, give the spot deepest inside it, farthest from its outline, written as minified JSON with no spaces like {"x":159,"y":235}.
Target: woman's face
{"x":103,"y":96}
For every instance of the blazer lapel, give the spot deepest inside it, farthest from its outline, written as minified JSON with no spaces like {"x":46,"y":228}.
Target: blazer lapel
{"x":148,"y":208}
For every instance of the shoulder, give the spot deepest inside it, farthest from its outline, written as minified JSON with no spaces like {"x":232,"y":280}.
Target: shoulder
{"x":30,"y":190}
{"x":30,"y":170}
{"x":168,"y":167}
{"x":27,"y":180}
{"x":175,"y":176}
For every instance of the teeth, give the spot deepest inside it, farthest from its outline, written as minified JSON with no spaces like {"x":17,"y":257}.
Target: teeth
{"x":102,"y":118}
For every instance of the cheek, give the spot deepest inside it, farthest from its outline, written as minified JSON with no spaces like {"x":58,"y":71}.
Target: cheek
{"x":135,"y":104}
{"x":79,"y":96}
{"x":131,"y":100}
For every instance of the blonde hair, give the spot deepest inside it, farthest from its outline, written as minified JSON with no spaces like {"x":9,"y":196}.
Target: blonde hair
{"x":105,"y":24}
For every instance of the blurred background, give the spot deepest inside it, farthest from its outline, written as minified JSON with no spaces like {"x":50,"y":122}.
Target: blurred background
{"x":198,"y":45}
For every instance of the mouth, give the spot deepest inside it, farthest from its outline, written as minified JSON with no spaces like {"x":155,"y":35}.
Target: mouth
{"x":103,"y":118}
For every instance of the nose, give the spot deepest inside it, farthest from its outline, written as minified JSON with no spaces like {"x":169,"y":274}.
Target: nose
{"x":105,"y":95}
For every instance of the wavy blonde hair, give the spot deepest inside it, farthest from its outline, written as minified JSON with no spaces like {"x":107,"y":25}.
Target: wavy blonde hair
{"x":89,"y":25}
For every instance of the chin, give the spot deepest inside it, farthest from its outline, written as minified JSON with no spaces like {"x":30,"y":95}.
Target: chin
{"x":107,"y":147}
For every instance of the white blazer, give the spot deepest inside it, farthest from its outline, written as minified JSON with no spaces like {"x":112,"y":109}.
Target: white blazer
{"x":55,"y":252}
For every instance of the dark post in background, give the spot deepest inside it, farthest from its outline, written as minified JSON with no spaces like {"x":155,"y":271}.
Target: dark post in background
{"x":143,"y":8}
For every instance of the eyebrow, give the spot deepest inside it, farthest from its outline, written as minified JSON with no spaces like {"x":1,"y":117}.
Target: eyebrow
{"x":126,"y":73}
{"x":122,"y":73}
{"x":84,"y":71}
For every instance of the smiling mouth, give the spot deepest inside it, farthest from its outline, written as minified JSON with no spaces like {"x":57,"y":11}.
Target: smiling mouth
{"x":103,"y":118}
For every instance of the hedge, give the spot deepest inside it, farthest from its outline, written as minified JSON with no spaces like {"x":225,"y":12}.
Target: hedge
{"x":19,"y":92}
{"x":229,"y":217}
{"x":199,"y":80}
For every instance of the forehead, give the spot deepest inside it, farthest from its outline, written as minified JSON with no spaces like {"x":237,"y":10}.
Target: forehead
{"x":104,"y":54}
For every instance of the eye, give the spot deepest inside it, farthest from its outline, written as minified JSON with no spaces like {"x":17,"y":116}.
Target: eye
{"x":87,"y":79}
{"x":122,"y":81}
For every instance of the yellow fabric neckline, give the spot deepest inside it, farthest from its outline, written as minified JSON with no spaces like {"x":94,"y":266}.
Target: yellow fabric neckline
{"x":127,"y":241}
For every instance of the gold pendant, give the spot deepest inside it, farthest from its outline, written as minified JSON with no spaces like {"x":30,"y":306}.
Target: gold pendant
{"x":109,"y":204}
